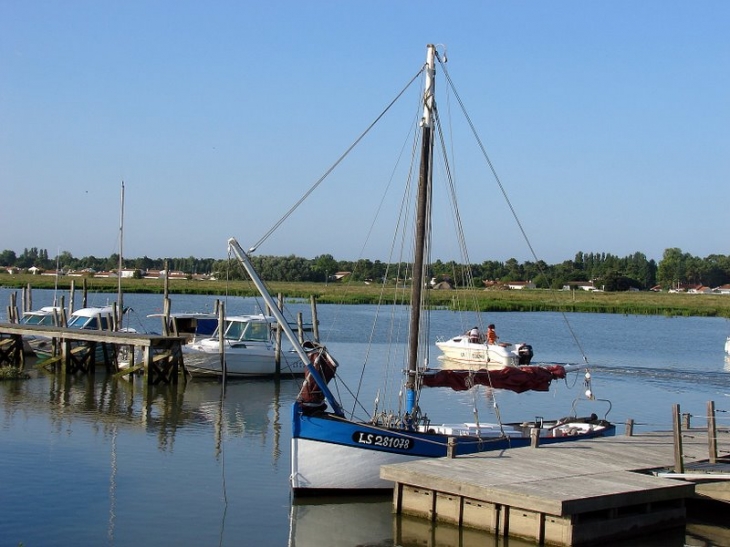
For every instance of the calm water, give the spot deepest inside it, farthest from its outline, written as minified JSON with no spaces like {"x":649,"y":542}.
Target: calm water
{"x":94,"y":461}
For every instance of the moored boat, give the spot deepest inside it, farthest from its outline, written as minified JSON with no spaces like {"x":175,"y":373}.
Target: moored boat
{"x":336,"y":450}
{"x":248,"y":350}
{"x":48,"y":316}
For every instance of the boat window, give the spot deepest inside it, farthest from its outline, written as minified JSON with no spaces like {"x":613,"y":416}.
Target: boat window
{"x":234,"y":330}
{"x":32,"y":320}
{"x":77,"y":322}
{"x":91,"y":323}
{"x":257,"y":331}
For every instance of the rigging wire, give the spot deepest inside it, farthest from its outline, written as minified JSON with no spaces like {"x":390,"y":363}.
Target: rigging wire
{"x":334,"y":165}
{"x":506,"y":197}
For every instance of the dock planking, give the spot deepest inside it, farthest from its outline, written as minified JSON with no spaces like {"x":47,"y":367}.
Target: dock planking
{"x":162,"y":359}
{"x":562,"y":494}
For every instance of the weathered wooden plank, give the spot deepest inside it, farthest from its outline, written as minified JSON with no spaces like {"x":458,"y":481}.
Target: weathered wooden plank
{"x":109,"y":337}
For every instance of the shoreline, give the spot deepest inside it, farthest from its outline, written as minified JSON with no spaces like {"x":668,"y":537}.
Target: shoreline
{"x":524,"y":300}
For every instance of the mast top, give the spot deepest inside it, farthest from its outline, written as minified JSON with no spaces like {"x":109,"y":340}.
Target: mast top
{"x":428,"y":92}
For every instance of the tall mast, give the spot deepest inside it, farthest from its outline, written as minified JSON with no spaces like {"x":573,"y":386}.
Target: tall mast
{"x":120,"y":302}
{"x":422,"y":213}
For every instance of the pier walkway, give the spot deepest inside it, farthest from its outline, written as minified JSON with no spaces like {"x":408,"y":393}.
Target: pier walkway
{"x":161,"y":355}
{"x":562,"y":494}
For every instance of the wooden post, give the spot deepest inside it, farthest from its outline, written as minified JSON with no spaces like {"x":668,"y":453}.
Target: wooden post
{"x":222,"y":340}
{"x":630,"y":427}
{"x":315,"y":321}
{"x":300,"y":327}
{"x":711,"y":431}
{"x":115,"y":325}
{"x":451,"y":447}
{"x":535,"y":437}
{"x":84,"y":293}
{"x":71,"y":294}
{"x":166,"y":305}
{"x":678,"y":459}
{"x":280,"y":304}
{"x":686,"y":417}
{"x":13,"y":315}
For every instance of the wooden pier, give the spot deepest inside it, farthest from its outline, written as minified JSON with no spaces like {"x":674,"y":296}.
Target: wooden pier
{"x":574,"y":493}
{"x":162,"y":355}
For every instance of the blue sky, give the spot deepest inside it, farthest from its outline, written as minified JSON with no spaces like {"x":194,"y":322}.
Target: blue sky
{"x":608,"y":123}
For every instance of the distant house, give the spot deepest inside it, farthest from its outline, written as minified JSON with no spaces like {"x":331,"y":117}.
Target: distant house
{"x":583,"y":285}
{"x":153,"y":274}
{"x":491,"y":285}
{"x":445,"y":285}
{"x":519,"y":285}
{"x":699,"y":289}
{"x":339,"y":276}
{"x":82,"y":273}
{"x":722,"y":289}
{"x":33,"y":270}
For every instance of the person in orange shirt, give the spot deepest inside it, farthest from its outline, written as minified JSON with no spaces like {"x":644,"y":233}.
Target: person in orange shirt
{"x":491,"y":335}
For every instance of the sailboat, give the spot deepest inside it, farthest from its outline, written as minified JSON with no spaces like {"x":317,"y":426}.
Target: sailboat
{"x":333,"y":451}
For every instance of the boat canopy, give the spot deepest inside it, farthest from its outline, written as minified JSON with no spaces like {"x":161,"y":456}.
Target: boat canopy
{"x":517,"y":379}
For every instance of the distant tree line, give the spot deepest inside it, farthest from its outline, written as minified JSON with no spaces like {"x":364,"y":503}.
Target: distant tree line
{"x":606,"y":271}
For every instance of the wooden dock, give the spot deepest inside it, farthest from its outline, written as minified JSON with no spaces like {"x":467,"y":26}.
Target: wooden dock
{"x":162,"y":355}
{"x":573,"y":493}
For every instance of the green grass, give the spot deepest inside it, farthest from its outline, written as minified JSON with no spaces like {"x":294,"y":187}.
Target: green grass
{"x":635,"y":303}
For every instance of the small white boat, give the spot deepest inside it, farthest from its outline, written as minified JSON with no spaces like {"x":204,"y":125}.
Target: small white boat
{"x":45,"y":316}
{"x":727,"y":345}
{"x":248,"y":350}
{"x":91,"y":318}
{"x":461,"y":351}
{"x":94,"y":317}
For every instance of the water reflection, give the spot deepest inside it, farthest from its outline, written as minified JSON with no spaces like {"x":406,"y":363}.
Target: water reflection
{"x":246,"y":408}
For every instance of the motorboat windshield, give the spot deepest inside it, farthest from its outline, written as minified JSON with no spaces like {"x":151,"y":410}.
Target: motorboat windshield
{"x":248,"y":329}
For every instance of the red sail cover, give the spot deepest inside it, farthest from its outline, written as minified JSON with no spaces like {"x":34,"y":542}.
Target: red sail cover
{"x":517,"y":379}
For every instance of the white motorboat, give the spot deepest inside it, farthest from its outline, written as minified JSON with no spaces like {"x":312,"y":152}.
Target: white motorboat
{"x":727,"y":345}
{"x":45,"y":316}
{"x":92,"y":318}
{"x":248,"y":350}
{"x":463,"y":352}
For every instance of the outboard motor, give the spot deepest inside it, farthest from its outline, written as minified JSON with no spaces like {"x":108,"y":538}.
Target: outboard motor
{"x":525,"y":354}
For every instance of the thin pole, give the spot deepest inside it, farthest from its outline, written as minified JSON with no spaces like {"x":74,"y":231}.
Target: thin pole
{"x":120,"y":298}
